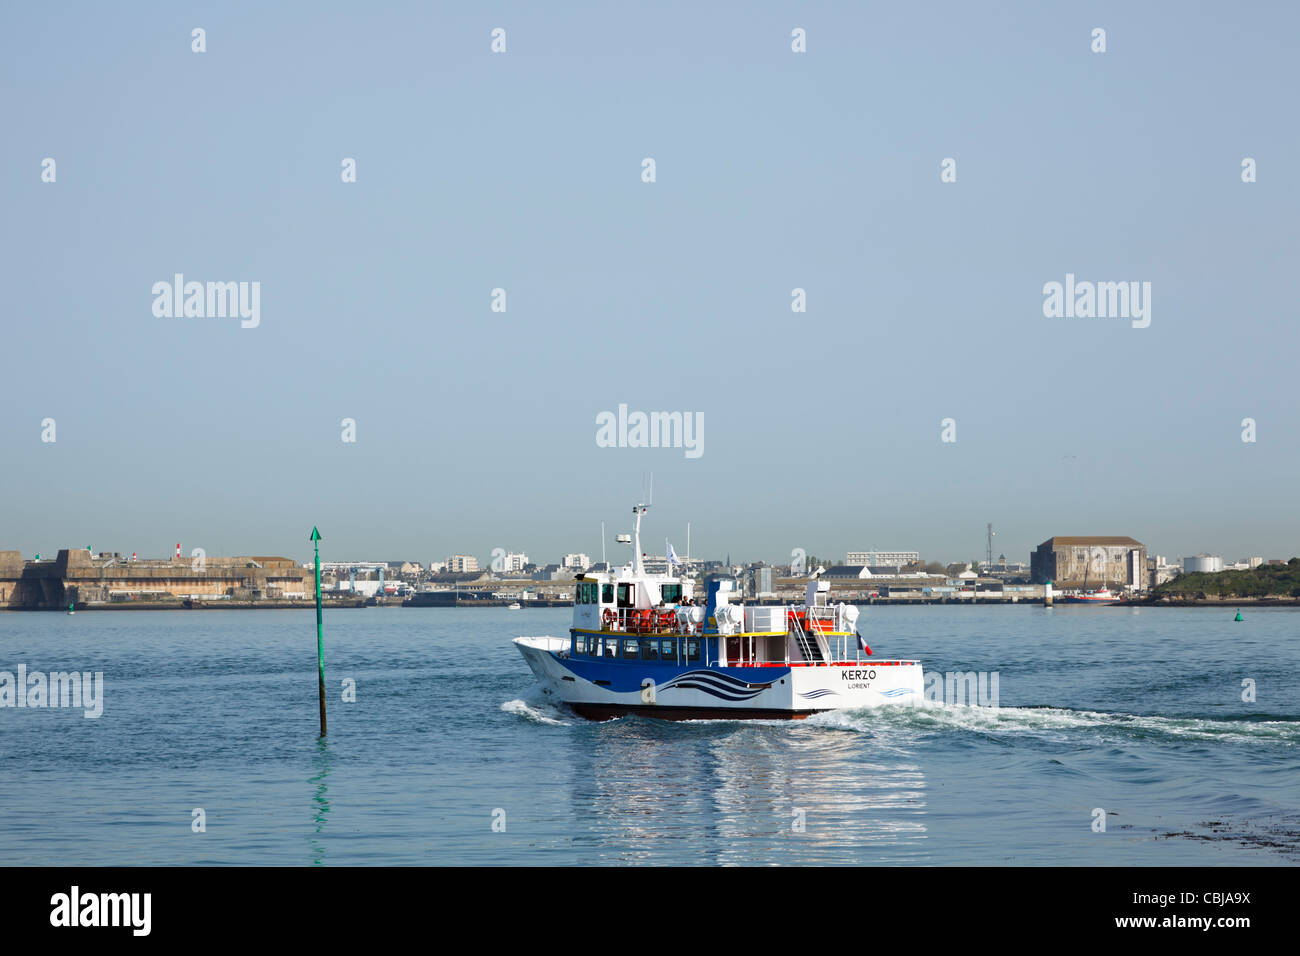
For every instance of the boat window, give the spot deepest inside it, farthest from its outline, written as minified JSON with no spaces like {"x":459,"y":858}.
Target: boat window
{"x":668,"y":650}
{"x":672,"y":593}
{"x":631,"y":648}
{"x":692,"y":649}
{"x":580,"y":643}
{"x":627,"y":595}
{"x":607,"y":594}
{"x":611,"y":647}
{"x":649,"y":650}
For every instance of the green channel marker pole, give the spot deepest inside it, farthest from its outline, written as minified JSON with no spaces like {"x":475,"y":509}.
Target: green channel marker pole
{"x":320,"y":632}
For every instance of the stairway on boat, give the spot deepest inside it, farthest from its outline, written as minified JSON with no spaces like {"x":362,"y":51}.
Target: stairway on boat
{"x":809,"y":646}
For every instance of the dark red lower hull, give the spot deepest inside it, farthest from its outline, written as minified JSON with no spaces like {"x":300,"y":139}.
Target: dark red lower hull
{"x":611,"y":711}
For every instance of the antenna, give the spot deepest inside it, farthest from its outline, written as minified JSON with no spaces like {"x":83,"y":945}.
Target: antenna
{"x":989,"y":553}
{"x":637,"y":568}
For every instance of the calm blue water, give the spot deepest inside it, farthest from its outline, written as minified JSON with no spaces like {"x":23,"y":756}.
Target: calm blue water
{"x":1139,"y":713}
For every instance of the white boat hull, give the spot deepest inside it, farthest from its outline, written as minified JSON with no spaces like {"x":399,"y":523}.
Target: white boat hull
{"x":602,"y":688}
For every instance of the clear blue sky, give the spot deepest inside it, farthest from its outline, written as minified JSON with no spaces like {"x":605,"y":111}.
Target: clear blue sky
{"x":477,"y":429}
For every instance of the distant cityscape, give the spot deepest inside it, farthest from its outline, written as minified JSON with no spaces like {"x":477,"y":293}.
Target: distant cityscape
{"x":84,"y":578}
{"x":1067,"y":562}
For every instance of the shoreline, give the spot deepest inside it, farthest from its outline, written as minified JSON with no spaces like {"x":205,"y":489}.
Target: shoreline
{"x":1222,"y":604}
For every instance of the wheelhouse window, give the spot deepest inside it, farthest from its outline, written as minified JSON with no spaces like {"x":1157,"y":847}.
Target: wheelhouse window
{"x":585,"y":593}
{"x":607,"y":594}
{"x":672,"y":593}
{"x":627,"y":595}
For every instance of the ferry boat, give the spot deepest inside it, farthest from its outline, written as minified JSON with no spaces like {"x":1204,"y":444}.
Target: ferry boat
{"x":642,"y":643}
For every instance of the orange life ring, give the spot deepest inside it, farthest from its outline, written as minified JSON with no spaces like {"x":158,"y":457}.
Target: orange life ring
{"x":608,"y":617}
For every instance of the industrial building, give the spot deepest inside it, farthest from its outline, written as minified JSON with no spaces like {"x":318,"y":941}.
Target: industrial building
{"x":1161,"y":570}
{"x":76,"y":576}
{"x":886,"y":559}
{"x":1071,"y":561}
{"x":757,"y":581}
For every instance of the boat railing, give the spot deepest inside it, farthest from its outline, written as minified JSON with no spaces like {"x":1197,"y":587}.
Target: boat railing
{"x":557,"y":645}
{"x":766,"y":619}
{"x":633,"y":620}
{"x":816,"y":625}
{"x":761,"y":662}
{"x":843,"y":656}
{"x":819,"y":632}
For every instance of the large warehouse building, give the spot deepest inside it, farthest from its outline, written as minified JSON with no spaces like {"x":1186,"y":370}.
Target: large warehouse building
{"x":1068,"y":561}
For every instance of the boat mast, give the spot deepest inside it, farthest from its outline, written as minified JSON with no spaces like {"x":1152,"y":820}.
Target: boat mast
{"x":637,"y":567}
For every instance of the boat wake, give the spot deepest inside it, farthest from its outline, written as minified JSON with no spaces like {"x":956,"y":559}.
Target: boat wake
{"x":1056,"y":724}
{"x":540,"y":711}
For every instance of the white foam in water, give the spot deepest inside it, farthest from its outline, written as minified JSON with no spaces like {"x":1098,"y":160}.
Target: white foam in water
{"x":538,"y":711}
{"x":938,"y":717}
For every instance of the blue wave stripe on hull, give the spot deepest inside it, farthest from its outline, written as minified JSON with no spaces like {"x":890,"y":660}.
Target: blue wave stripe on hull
{"x":709,"y":689}
{"x":625,"y":676}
